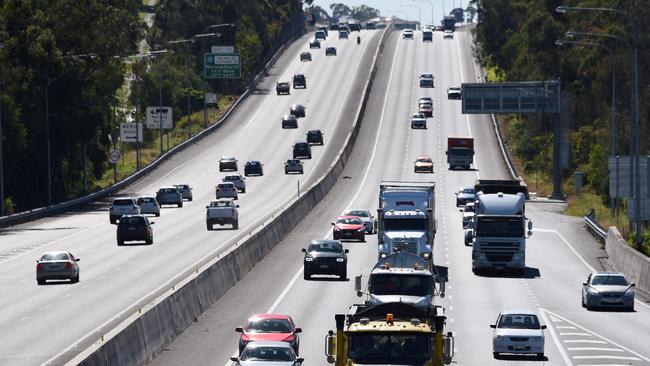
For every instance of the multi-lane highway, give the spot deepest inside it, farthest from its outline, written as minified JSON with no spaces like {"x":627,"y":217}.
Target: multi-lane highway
{"x":559,"y":255}
{"x":51,"y":323}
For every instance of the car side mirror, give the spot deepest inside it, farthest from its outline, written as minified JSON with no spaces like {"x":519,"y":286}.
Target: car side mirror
{"x":304,"y":250}
{"x":584,"y":284}
{"x":151,"y":222}
{"x":239,"y":330}
{"x":348,"y":251}
{"x":297,"y":330}
{"x":234,"y":359}
{"x":79,"y":259}
{"x":236,"y":206}
{"x":207,"y":206}
{"x":493,"y":326}
{"x":333,"y":224}
{"x":632,"y":284}
{"x":300,"y":360}
{"x":543,"y":326}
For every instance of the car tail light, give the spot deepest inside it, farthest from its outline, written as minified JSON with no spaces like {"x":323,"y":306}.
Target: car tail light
{"x":40,"y":266}
{"x":68,"y":265}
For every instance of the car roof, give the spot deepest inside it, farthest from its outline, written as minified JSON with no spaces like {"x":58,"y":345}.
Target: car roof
{"x":227,"y":158}
{"x":607,"y":273}
{"x":518,"y":311}
{"x":56,"y":252}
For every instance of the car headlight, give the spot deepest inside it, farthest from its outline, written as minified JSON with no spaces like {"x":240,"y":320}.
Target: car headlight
{"x":309,"y":259}
{"x":629,"y":292}
{"x":336,"y":228}
{"x":425,"y":255}
{"x":360,"y":229}
{"x":383,"y":255}
{"x":500,"y":338}
{"x":592,"y":291}
{"x":340,"y":260}
{"x":536,"y":339}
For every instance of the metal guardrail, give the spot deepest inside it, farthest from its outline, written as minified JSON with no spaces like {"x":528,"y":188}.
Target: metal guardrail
{"x":594,"y":227}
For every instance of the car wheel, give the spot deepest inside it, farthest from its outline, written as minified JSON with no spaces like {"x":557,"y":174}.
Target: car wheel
{"x":495,"y":354}
{"x":307,"y":275}
{"x":582,"y":301}
{"x":243,"y":190}
{"x":540,"y":355}
{"x":235,"y":225}
{"x":208,"y":226}
{"x":158,"y":214}
{"x":149,"y":241}
{"x":40,"y":282}
{"x":363,"y":238}
{"x":75,"y":279}
{"x":120,"y":242}
{"x":180,"y":204}
{"x":344,"y":275}
{"x":190,"y":199}
{"x":631,"y":308}
{"x":112,"y":221}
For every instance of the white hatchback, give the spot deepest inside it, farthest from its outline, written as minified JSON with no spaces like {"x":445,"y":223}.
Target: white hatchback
{"x":519,"y":332}
{"x":149,"y":205}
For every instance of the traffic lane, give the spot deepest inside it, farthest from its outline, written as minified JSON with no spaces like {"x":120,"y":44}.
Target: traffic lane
{"x":176,"y":238}
{"x":270,"y":277}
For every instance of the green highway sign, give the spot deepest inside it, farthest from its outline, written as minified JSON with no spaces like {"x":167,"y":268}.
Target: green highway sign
{"x":222,"y":66}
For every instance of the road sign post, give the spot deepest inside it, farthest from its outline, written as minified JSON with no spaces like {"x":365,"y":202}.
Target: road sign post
{"x":131,"y":132}
{"x":114,"y":157}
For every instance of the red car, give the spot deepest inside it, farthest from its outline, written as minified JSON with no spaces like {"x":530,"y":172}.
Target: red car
{"x":349,"y":227}
{"x":269,"y":327}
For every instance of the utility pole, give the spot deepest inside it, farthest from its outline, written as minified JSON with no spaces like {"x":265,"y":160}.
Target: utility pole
{"x":47,"y":141}
{"x":2,"y":170}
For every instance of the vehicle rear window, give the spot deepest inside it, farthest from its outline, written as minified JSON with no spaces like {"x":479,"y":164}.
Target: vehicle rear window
{"x":226,"y":185}
{"x":167,"y":190}
{"x":122,"y":202}
{"x":145,"y":200}
{"x":132,"y":220}
{"x":326,"y":247}
{"x":55,"y":257}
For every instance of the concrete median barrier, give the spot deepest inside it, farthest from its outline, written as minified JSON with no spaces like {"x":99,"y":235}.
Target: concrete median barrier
{"x":635,"y":265}
{"x":140,"y":337}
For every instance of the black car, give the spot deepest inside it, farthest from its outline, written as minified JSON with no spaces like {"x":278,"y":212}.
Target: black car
{"x":334,"y":26}
{"x":355,"y":27}
{"x":253,"y":167}
{"x":315,"y":137}
{"x":314,"y":44}
{"x":330,"y":51}
{"x":305,"y":56}
{"x":302,"y":150}
{"x":299,"y":80}
{"x":371,"y":25}
{"x":343,"y":34}
{"x":134,"y":227}
{"x":227,"y":163}
{"x":297,"y":110}
{"x":293,"y":166}
{"x":289,"y":121}
{"x":282,"y":87}
{"x":325,"y":257}
{"x":324,"y":29}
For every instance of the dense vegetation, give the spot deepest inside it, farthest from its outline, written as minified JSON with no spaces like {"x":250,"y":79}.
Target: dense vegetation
{"x":517,"y":39}
{"x":36,"y":40}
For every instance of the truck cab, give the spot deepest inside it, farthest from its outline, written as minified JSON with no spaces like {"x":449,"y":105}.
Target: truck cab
{"x":460,"y":152}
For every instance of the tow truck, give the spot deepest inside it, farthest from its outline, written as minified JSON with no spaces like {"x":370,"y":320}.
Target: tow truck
{"x":390,"y":334}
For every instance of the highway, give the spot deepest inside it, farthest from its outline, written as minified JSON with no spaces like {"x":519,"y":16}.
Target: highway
{"x":560,"y":253}
{"x":50,"y":324}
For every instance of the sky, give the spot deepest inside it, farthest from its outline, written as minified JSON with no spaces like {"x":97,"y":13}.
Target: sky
{"x":400,"y":7}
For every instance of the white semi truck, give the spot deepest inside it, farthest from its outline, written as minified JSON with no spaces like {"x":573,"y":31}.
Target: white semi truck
{"x":498,"y":232}
{"x":400,"y":277}
{"x":406,"y":218}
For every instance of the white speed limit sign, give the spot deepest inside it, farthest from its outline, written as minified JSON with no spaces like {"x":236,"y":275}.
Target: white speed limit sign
{"x":114,"y":156}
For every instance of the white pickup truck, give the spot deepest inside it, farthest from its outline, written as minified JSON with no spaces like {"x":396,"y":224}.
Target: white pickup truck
{"x":222,"y":211}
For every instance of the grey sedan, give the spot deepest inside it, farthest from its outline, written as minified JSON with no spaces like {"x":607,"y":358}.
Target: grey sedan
{"x":607,"y":289}
{"x":267,"y":353}
{"x":57,"y":266}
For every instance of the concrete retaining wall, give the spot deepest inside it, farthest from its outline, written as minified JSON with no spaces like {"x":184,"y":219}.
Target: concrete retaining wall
{"x":623,"y":258}
{"x":140,"y":338}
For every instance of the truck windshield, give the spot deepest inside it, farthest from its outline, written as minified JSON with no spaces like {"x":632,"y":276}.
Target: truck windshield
{"x":403,"y":224}
{"x":389,"y":348}
{"x":509,"y":227}
{"x":401,"y":284}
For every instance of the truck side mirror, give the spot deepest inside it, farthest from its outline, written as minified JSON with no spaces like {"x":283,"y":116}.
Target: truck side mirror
{"x":330,"y":347}
{"x":448,"y":348}
{"x":530,"y":226}
{"x":357,"y":285}
{"x":468,"y":237}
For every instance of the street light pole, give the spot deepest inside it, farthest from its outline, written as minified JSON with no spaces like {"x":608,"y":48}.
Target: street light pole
{"x":47,"y":141}
{"x":2,"y":170}
{"x":634,"y":101}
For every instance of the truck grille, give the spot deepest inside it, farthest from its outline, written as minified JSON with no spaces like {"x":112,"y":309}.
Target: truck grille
{"x":499,"y":257}
{"x":500,"y":245}
{"x":519,"y":339}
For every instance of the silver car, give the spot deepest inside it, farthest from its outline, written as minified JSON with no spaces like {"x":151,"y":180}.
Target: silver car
{"x":519,"y":332}
{"x":57,"y":266}
{"x":226,"y":190}
{"x":186,"y":191}
{"x":468,"y":214}
{"x":169,"y":196}
{"x":464,"y":195}
{"x":237,"y":180}
{"x":607,"y":289}
{"x":369,"y":222}
{"x":149,"y":205}
{"x":267,"y":353}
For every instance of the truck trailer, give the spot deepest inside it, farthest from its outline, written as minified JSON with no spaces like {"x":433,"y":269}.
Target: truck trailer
{"x":460,"y":152}
{"x":390,"y":334}
{"x":406,"y":218}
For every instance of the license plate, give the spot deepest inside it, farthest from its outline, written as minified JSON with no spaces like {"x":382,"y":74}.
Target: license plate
{"x":324,"y":266}
{"x":610,"y":300}
{"x":132,"y":229}
{"x":518,"y":348}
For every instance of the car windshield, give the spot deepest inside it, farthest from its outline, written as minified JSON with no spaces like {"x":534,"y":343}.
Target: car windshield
{"x":348,"y":221}
{"x":277,"y":354}
{"x":389,"y":348}
{"x":252,"y":163}
{"x":468,"y":190}
{"x":401,"y":284}
{"x":293,"y":162}
{"x":358,"y":213}
{"x":268,"y":325}
{"x":122,"y":202}
{"x":220,"y":204}
{"x":519,"y":321}
{"x":328,"y":247}
{"x":426,"y":76}
{"x":55,"y":257}
{"x":609,"y":280}
{"x":417,"y":115}
{"x":132,"y":220}
{"x":469,"y":208}
{"x":508,"y":227}
{"x":424,"y":160}
{"x":229,"y":158}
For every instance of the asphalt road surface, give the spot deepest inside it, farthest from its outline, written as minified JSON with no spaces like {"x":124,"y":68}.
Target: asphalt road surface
{"x":560,"y":254}
{"x":50,"y":324}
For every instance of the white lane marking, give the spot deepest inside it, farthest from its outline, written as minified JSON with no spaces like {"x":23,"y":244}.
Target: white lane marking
{"x":65,"y":296}
{"x":24,"y":280}
{"x":584,"y":341}
{"x":462,"y":79}
{"x":553,"y":231}
{"x":542,"y":310}
{"x":576,"y":334}
{"x":566,"y":327}
{"x":556,"y":340}
{"x":604,"y":364}
{"x":295,"y":277}
{"x":4,"y":289}
{"x":595,"y":349}
{"x":381,"y":123}
{"x":607,"y":357}
{"x":52,"y":242}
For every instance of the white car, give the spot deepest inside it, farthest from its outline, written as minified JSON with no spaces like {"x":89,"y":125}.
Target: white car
{"x":123,"y":206}
{"x":468,"y":214}
{"x":518,"y":331}
{"x":149,"y":205}
{"x":448,"y":34}
{"x":407,"y":34}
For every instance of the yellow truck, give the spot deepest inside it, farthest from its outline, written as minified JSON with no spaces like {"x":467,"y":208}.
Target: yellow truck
{"x":390,"y":334}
